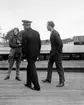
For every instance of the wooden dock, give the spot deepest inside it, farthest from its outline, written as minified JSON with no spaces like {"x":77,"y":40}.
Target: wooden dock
{"x":13,"y":92}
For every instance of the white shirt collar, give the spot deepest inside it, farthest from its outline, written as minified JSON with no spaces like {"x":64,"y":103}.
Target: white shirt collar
{"x":52,"y":30}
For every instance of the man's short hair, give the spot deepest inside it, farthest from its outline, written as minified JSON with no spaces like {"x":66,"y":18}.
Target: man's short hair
{"x":51,"y":23}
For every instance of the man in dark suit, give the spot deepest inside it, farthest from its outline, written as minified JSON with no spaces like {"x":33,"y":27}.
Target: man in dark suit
{"x":55,"y":55}
{"x":31,"y":45}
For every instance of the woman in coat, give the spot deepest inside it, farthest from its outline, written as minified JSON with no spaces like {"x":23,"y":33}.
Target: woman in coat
{"x":15,"y":53}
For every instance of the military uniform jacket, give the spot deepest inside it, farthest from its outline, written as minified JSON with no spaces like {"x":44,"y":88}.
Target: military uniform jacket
{"x":31,"y":42}
{"x":56,"y":42}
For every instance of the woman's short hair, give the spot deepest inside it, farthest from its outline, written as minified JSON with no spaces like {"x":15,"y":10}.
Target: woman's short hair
{"x":16,"y":29}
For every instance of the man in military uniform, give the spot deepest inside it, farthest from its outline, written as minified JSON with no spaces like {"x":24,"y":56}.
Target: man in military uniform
{"x":55,"y":55}
{"x":15,"y":53}
{"x":31,"y":45}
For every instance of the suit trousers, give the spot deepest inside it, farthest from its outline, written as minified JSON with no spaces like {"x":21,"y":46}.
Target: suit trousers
{"x":57,"y":58}
{"x":32,"y":76}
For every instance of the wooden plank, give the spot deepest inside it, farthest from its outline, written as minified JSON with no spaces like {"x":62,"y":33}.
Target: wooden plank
{"x":13,"y":92}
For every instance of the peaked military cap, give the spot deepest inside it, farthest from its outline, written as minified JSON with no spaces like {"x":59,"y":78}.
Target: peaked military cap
{"x":26,"y":22}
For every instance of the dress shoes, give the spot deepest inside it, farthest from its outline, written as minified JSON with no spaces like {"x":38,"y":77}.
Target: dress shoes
{"x":36,"y":88}
{"x":46,"y":81}
{"x":60,"y":85}
{"x":17,"y":78}
{"x":29,"y":86}
{"x":7,"y":77}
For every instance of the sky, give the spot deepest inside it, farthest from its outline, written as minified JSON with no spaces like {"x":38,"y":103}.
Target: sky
{"x":68,"y":16}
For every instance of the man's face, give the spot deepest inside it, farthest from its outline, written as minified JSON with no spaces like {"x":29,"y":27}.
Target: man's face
{"x":48,"y":27}
{"x":24,"y":26}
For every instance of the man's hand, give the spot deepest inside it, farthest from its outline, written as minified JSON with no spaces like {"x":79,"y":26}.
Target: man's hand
{"x":51,"y":53}
{"x":19,"y":45}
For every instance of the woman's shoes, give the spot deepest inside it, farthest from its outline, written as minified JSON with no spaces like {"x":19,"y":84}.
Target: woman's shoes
{"x":7,"y":77}
{"x":18,"y":78}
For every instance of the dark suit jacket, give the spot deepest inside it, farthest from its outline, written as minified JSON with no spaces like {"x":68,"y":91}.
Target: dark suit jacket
{"x":31,"y":43}
{"x":56,"y":42}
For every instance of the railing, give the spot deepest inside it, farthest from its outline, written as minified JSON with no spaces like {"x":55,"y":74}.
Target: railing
{"x":45,"y":56}
{"x":70,"y":52}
